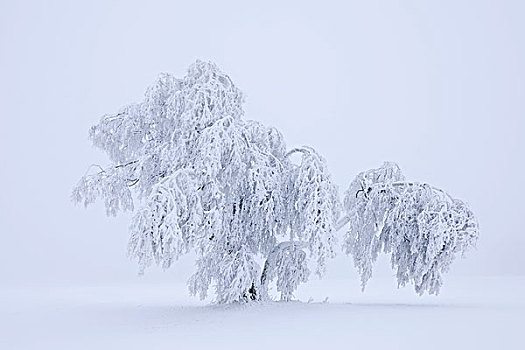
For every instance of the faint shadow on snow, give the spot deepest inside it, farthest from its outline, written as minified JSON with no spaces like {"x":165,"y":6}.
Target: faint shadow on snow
{"x":296,"y":305}
{"x":409,"y":305}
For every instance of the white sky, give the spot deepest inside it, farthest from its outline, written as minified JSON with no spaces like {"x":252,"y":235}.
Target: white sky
{"x":438,"y":87}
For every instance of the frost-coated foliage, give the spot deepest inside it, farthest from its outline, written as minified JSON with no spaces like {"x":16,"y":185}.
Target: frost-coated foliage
{"x":422,"y":227}
{"x":313,"y":203}
{"x":200,"y":178}
{"x":288,"y":263}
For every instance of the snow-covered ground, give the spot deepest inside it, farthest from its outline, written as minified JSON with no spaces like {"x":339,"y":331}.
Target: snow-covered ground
{"x":470,"y":313}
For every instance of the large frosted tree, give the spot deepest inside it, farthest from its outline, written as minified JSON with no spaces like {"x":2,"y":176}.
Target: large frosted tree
{"x":201,"y":178}
{"x":198,"y":177}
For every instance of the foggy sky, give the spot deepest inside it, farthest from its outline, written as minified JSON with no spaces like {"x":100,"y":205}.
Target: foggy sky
{"x":438,"y":87}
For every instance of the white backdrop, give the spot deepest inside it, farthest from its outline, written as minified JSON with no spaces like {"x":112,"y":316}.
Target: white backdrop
{"x":438,"y":87}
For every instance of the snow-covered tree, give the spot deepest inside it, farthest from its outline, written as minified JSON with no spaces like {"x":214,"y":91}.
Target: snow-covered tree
{"x":422,"y":227}
{"x":200,"y":178}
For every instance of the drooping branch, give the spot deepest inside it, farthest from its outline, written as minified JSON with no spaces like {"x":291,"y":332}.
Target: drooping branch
{"x":270,"y":266}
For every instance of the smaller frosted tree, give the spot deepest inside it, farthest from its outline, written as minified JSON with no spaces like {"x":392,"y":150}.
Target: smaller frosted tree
{"x":422,"y":227}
